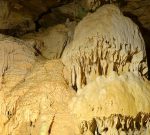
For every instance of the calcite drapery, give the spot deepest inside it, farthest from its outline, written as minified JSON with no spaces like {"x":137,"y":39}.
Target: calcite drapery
{"x":104,"y":41}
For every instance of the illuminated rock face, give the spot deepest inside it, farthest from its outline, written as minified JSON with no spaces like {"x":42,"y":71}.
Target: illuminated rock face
{"x":106,"y":62}
{"x":125,"y":94}
{"x":106,"y":54}
{"x":33,"y":92}
{"x":54,"y":40}
{"x":103,"y":42}
{"x":38,"y":105}
{"x":16,"y":59}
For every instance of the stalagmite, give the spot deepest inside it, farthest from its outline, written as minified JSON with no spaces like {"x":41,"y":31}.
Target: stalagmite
{"x":126,"y":94}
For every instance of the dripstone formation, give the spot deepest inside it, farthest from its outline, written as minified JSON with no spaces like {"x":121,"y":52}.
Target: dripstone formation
{"x":106,"y":62}
{"x":105,"y":41}
{"x":83,"y":74}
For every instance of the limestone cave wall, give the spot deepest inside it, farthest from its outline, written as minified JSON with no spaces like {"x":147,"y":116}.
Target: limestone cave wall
{"x":74,"y":67}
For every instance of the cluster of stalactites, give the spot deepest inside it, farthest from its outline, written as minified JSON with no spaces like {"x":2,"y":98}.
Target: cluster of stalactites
{"x":105,"y":41}
{"x":118,"y":125}
{"x":103,"y":58}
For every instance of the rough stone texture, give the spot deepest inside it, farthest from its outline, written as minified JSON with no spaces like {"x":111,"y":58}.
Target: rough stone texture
{"x":5,"y":11}
{"x":33,"y":8}
{"x":34,"y":94}
{"x":92,"y":5}
{"x":17,"y":25}
{"x":125,"y":94}
{"x":58,"y":15}
{"x":54,"y":39}
{"x":67,"y":10}
{"x":103,"y":42}
{"x":135,"y":9}
{"x":117,"y":125}
{"x":20,"y":17}
{"x":139,"y":9}
{"x":13,"y":22}
{"x":38,"y":105}
{"x":36,"y":7}
{"x":51,"y":19}
{"x":16,"y":59}
{"x":89,"y":4}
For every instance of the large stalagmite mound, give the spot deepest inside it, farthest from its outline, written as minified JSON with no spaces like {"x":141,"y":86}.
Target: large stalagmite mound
{"x":104,"y":41}
{"x":126,"y":94}
{"x":107,"y":56}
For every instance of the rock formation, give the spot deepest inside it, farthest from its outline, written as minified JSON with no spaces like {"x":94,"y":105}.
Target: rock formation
{"x":117,"y":125}
{"x":103,"y":57}
{"x":117,"y":101}
{"x":34,"y":93}
{"x":125,"y":94}
{"x":13,"y":22}
{"x":37,"y":105}
{"x":20,"y":17}
{"x":115,"y":44}
{"x":16,"y":59}
{"x":139,"y":9}
{"x":54,"y":39}
{"x":92,"y":5}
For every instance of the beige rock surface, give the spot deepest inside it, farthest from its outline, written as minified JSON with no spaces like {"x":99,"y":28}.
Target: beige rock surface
{"x":34,"y":92}
{"x":103,"y":42}
{"x":34,"y":95}
{"x":38,"y":105}
{"x":140,"y":9}
{"x":125,"y":94}
{"x":16,"y":59}
{"x":54,"y":40}
{"x":92,"y":5}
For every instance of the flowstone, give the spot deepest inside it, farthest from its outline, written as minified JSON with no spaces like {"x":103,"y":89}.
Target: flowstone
{"x":104,"y":41}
